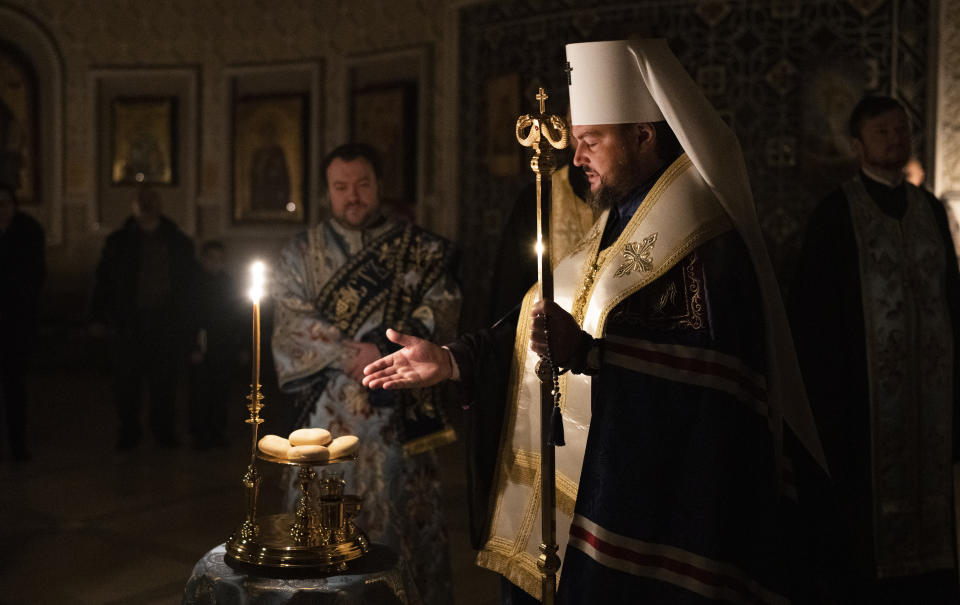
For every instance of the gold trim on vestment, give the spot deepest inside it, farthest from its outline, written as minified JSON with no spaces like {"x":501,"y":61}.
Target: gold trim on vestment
{"x":521,"y":569}
{"x":505,"y":457}
{"x":429,"y":442}
{"x":707,"y":232}
{"x":601,"y":258}
{"x":525,"y":470}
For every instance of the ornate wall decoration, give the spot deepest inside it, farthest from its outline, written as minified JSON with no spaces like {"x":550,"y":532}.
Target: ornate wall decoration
{"x":783,"y":73}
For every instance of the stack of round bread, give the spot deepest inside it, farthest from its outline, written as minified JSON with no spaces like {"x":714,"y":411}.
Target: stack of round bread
{"x":308,"y":445}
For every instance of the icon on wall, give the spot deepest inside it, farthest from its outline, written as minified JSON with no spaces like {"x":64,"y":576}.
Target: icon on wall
{"x":269,"y":159}
{"x":144,"y":149}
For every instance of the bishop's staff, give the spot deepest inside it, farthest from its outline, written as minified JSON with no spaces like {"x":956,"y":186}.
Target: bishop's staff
{"x":546,"y":133}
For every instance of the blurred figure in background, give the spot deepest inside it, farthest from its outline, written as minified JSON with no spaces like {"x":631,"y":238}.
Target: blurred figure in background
{"x":142,"y":292}
{"x":22,"y":269}
{"x":216,"y":349}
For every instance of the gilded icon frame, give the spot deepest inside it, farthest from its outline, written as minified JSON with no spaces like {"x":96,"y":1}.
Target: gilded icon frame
{"x":270,"y":149}
{"x":143,"y":140}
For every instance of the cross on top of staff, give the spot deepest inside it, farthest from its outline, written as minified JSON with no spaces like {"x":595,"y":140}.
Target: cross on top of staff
{"x":542,"y":97}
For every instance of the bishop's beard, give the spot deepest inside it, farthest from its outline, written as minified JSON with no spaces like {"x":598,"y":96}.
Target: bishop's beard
{"x":614,"y":187}
{"x":606,"y":196}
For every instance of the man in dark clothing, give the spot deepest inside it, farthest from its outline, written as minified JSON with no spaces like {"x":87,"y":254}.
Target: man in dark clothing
{"x":22,"y":270}
{"x":875,"y":317}
{"x":216,"y":348}
{"x":142,"y":292}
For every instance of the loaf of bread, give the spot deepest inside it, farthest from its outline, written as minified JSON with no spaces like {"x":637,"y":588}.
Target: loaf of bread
{"x":310,"y":437}
{"x":343,"y":446}
{"x":274,"y":445}
{"x":308,"y":453}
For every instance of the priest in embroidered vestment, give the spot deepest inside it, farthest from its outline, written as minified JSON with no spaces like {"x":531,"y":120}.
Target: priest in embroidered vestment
{"x":876,"y":311}
{"x":683,"y":410}
{"x":336,"y":287}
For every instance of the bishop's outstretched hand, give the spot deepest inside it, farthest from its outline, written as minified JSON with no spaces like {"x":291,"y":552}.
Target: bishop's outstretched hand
{"x":420,"y":363}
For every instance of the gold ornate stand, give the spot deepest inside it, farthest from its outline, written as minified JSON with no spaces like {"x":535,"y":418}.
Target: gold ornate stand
{"x":318,"y":535}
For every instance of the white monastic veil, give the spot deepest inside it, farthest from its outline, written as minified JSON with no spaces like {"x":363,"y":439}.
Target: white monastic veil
{"x":714,"y":150}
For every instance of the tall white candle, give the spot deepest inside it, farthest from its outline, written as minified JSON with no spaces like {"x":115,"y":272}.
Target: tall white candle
{"x":257,"y":279}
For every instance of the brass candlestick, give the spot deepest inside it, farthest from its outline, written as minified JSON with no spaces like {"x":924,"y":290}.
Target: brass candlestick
{"x":251,"y":479}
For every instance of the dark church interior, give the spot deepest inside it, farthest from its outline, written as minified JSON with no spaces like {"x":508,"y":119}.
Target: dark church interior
{"x":216,"y":116}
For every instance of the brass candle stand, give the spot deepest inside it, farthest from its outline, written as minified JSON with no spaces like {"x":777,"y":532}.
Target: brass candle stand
{"x":318,"y":534}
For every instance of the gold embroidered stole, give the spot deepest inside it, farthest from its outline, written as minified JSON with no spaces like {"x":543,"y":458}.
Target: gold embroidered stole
{"x":910,"y":376}
{"x":570,"y":217}
{"x":367,"y":282}
{"x":678,"y":214}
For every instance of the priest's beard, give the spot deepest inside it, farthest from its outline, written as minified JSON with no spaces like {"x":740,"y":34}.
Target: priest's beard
{"x":622,"y":179}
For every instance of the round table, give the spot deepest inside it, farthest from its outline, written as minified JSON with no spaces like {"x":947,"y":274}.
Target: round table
{"x":378,"y":578}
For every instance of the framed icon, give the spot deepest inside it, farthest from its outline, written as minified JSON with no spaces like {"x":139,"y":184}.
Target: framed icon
{"x":144,"y":144}
{"x":269,"y":158}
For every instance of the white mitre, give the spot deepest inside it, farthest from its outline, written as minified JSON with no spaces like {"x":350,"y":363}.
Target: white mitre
{"x":606,"y":87}
{"x":629,"y":81}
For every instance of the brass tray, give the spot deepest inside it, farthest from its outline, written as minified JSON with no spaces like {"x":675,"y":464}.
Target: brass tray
{"x":273,"y":547}
{"x":287,"y":461}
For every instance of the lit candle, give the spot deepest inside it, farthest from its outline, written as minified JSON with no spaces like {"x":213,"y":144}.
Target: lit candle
{"x":257,"y":270}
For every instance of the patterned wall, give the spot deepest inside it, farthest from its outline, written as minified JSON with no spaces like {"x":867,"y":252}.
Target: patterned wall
{"x":784,"y":73}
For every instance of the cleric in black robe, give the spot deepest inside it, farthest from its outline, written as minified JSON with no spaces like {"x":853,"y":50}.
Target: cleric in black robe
{"x":875,"y":317}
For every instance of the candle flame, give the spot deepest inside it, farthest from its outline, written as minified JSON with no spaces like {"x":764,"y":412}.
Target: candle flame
{"x":257,"y":271}
{"x":539,"y":247}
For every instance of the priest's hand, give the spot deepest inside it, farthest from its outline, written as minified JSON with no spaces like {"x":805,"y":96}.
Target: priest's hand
{"x":359,"y":355}
{"x":563,"y":328}
{"x":420,"y":363}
